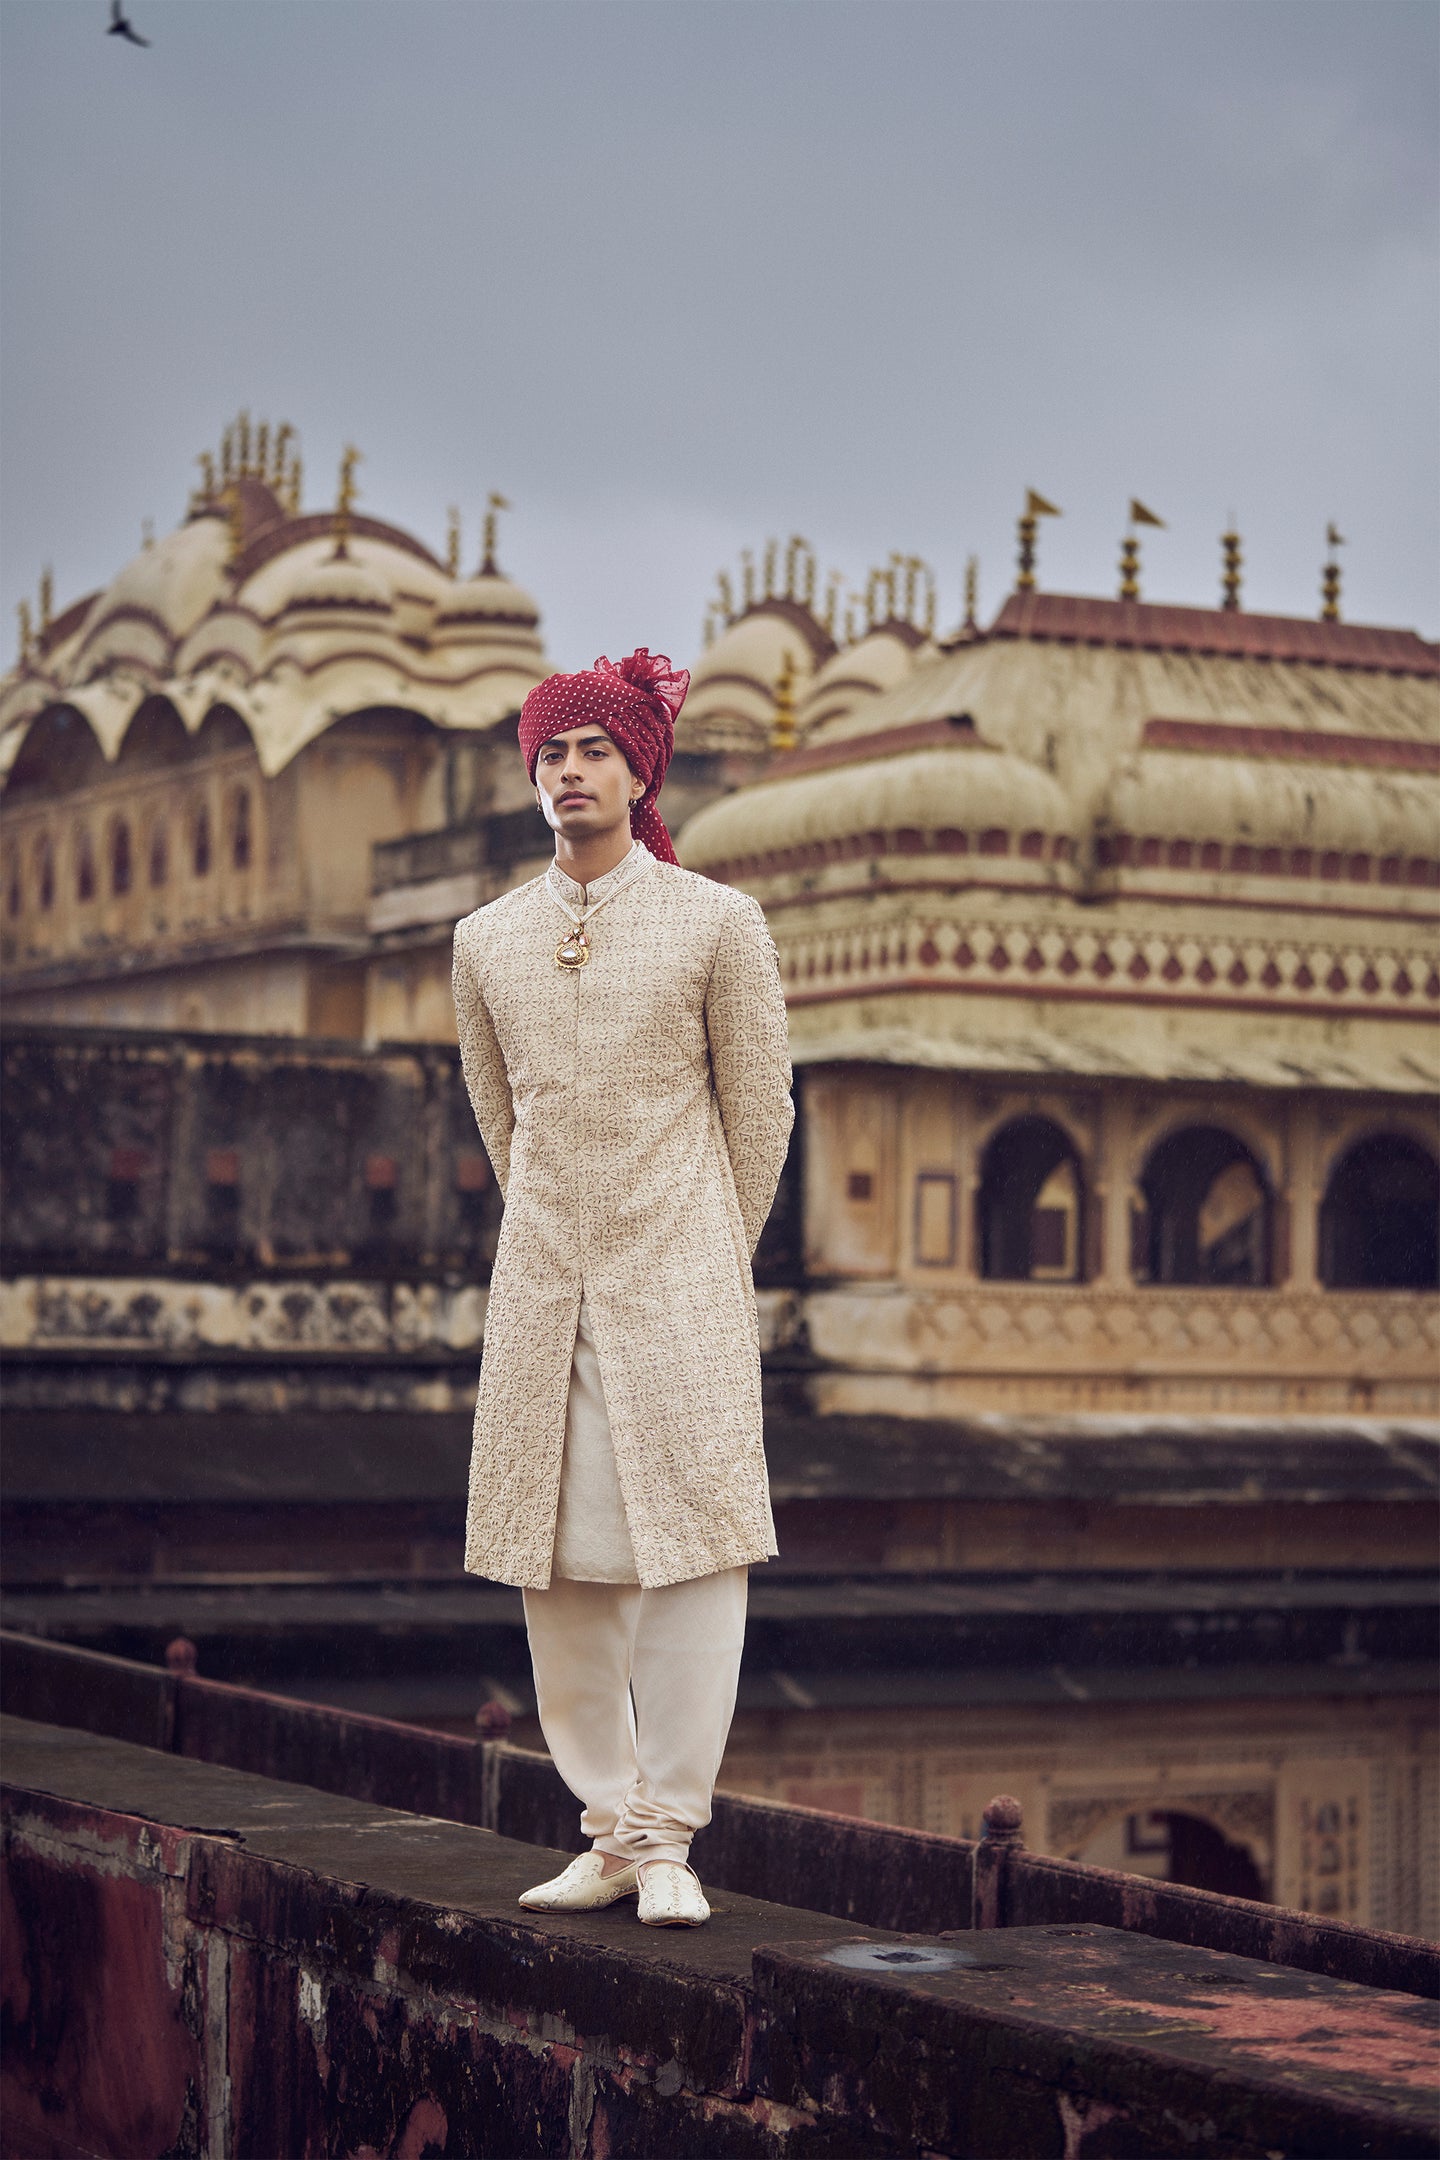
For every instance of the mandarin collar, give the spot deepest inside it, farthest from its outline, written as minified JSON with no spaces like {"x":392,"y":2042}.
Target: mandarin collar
{"x":600,"y":888}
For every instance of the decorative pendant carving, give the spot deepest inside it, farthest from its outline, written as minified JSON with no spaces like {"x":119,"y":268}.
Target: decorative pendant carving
{"x":573,"y":951}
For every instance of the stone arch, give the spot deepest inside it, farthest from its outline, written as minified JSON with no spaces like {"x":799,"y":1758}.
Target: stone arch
{"x":83,"y":857}
{"x":223,"y":730}
{"x":1205,"y":1212}
{"x":155,"y":738}
{"x":1030,"y":1205}
{"x":240,"y":826}
{"x":1380,"y":1217}
{"x":61,"y":752}
{"x":121,"y":857}
{"x":158,"y":852}
{"x":1180,"y":1838}
{"x":44,"y":861}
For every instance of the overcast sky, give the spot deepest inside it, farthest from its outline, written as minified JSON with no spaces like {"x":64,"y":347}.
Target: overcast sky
{"x":681,"y":274}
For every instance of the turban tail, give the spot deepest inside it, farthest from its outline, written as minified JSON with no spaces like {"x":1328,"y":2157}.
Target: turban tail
{"x":635,"y":701}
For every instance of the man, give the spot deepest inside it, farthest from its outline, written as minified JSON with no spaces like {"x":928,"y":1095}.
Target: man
{"x":622,"y":1029}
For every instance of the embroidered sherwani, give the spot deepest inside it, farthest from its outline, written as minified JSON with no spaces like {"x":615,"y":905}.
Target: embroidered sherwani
{"x":636,"y":1111}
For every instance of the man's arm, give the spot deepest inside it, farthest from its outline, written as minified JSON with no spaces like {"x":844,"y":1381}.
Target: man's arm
{"x":484,"y":1066}
{"x":750,"y":1060}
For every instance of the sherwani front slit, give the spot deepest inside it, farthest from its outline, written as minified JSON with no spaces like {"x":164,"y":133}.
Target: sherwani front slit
{"x":636,"y":1110}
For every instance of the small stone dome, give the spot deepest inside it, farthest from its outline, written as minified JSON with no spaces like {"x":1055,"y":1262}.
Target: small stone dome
{"x":731,"y":702}
{"x":955,"y":799}
{"x":486,"y":598}
{"x":864,"y":670}
{"x":339,"y":586}
{"x":157,"y":598}
{"x":1264,"y":803}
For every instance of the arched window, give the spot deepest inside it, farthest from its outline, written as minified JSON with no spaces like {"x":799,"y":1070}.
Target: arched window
{"x":1380,"y":1219}
{"x":84,"y":866}
{"x":120,"y":866}
{"x":1031,"y":1205}
{"x":159,"y":856}
{"x":14,"y":885}
{"x":200,"y":843}
{"x":1205,"y":1216}
{"x":240,"y":828}
{"x":45,"y":873}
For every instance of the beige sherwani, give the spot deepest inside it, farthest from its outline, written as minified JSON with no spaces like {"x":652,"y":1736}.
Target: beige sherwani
{"x":636,"y":1111}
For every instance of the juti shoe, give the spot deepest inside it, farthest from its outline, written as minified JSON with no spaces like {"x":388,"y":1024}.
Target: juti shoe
{"x":583,"y":1887}
{"x":670,"y":1895}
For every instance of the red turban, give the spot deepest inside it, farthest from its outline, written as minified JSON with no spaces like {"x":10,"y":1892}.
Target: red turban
{"x":635,"y":701}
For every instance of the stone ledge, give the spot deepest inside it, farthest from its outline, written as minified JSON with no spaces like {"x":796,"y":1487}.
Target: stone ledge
{"x":206,"y":1960}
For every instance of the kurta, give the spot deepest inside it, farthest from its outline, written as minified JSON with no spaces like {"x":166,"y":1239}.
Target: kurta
{"x":636,"y":1111}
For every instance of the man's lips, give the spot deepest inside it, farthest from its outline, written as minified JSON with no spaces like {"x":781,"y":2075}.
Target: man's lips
{"x":573,"y":795}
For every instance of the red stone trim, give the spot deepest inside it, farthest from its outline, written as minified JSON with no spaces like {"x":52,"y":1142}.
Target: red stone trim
{"x":958,"y":731}
{"x":986,"y":946}
{"x":1141,"y":626}
{"x":1313,"y":746}
{"x":127,"y":612}
{"x":278,"y":539}
{"x":1073,"y":994}
{"x":66,"y":623}
{"x":1242,"y":859}
{"x":1170,"y":898}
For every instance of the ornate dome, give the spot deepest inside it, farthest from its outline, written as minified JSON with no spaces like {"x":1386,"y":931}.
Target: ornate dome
{"x":341,"y":586}
{"x":486,"y":598}
{"x":1226,"y":805}
{"x":155,"y":601}
{"x":731,"y":705}
{"x":864,"y":670}
{"x":936,"y":791}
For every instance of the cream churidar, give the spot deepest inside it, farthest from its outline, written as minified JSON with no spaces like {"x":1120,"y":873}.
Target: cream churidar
{"x":636,"y":1111}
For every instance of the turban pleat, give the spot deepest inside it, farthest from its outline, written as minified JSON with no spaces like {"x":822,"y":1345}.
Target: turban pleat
{"x":635,"y":700}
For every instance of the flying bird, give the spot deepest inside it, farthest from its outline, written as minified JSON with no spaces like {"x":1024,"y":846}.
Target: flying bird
{"x":121,"y":27}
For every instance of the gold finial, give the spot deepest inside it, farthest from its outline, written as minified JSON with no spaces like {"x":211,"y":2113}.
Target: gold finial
{"x":242,"y":443}
{"x":800,"y":571}
{"x":919,"y":580}
{"x":227,"y":456}
{"x":235,"y":515}
{"x":284,"y":436}
{"x":782,"y":732}
{"x":344,"y":503}
{"x":493,"y":505}
{"x":207,"y":478}
{"x":1330,"y":581}
{"x":771,"y":551}
{"x":1230,"y":571}
{"x":452,"y":543}
{"x":1130,"y":550}
{"x":1035,"y":507}
{"x":27,"y":634}
{"x":262,"y":450}
{"x":292,"y":487}
{"x":726,"y":592}
{"x":972,"y":590}
{"x":747,"y":579}
{"x":880,"y":595}
{"x":147,"y":532}
{"x":832,"y":603}
{"x":47,"y":598}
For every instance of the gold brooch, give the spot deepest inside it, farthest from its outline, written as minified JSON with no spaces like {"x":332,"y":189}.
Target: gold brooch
{"x":573,"y":951}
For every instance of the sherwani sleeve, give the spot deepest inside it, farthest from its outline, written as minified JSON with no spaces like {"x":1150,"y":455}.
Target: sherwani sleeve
{"x":483,"y":1063}
{"x":750,"y":1060}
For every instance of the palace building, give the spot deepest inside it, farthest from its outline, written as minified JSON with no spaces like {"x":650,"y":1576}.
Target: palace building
{"x":201,"y":759}
{"x":1102,"y":1343}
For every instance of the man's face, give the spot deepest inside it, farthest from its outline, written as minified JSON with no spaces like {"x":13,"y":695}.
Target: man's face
{"x":584,"y":784}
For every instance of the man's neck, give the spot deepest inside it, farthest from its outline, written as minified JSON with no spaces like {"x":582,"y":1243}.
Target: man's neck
{"x":587,"y":860}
